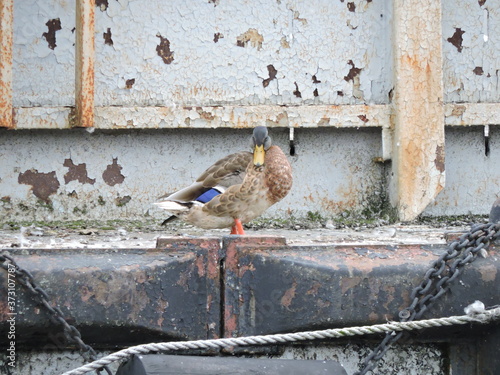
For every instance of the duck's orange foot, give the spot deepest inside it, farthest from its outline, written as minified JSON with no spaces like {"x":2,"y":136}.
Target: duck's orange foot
{"x":237,"y":228}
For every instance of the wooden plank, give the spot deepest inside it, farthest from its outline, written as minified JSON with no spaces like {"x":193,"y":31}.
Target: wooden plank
{"x":6,"y":40}
{"x":85,"y":51}
{"x":418,"y":145}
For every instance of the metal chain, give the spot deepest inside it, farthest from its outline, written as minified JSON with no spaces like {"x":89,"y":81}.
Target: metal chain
{"x":71,"y":333}
{"x":437,"y":281}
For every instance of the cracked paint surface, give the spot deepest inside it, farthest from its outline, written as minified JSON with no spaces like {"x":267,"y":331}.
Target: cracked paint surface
{"x":471,"y":50}
{"x":43,"y":53}
{"x":222,"y":50}
{"x":130,"y":173}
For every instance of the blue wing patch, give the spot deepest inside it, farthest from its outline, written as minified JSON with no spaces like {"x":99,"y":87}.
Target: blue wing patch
{"x":208,"y":195}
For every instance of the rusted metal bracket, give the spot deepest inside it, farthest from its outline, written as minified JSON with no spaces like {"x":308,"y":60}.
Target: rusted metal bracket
{"x":6,"y":42}
{"x":85,"y":55}
{"x":198,"y":288}
{"x":418,"y":150}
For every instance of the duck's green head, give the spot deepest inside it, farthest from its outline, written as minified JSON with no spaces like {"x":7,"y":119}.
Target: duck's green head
{"x":260,"y":144}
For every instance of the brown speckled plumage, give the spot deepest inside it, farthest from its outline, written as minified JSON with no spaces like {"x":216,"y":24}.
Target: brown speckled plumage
{"x":250,"y":190}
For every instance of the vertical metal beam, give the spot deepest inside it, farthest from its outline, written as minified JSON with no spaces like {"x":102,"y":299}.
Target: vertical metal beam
{"x":418,"y":148}
{"x":6,"y":40}
{"x":85,"y":49}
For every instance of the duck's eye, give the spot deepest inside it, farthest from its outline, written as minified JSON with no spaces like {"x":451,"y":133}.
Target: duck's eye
{"x":267,"y":143}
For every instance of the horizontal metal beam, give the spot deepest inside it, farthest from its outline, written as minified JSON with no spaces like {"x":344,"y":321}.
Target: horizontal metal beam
{"x":343,"y":116}
{"x":198,"y":288}
{"x":161,"y":364}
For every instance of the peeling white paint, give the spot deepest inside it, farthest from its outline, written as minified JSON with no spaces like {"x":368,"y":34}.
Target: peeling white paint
{"x":205,"y":72}
{"x":472,"y":74}
{"x":43,"y":76}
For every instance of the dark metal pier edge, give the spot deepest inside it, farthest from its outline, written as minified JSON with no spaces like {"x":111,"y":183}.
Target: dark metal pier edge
{"x":205,"y":288}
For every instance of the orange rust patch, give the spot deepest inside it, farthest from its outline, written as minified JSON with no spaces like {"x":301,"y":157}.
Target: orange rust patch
{"x":289,"y":295}
{"x":230,"y":321}
{"x":314,"y":289}
{"x":200,"y":265}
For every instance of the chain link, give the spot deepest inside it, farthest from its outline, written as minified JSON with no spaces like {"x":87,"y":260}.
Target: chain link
{"x":437,"y":281}
{"x":56,"y":316}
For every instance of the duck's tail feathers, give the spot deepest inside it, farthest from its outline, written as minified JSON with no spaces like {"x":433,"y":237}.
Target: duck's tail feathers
{"x":174,"y":207}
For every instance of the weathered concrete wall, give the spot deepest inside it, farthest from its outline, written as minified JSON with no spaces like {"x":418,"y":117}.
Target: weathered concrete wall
{"x":74,"y":174}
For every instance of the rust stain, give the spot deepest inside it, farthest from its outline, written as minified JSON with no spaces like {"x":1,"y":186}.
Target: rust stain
{"x":230,"y":321}
{"x":6,"y":44}
{"x":478,"y":70}
{"x":163,"y":50}
{"x":77,"y":173}
{"x":284,"y":43}
{"x":50,"y":36}
{"x":458,"y":110}
{"x":129,"y":83}
{"x":363,"y":118}
{"x":43,"y":184}
{"x":314,"y":289}
{"x":112,"y":175}
{"x":351,"y":7}
{"x":315,"y":79}
{"x":373,"y":317}
{"x":349,"y":283}
{"x":84,"y":90}
{"x":488,"y":273}
{"x":315,"y":92}
{"x":206,"y":115}
{"x":160,"y":309}
{"x":244,"y":269}
{"x":353,"y":72}
{"x":289,"y":295}
{"x":215,"y":2}
{"x":456,"y":39}
{"x":107,"y":37}
{"x":251,"y":37}
{"x":217,"y":36}
{"x":200,"y":265}
{"x":439,"y":161}
{"x":272,"y":75}
{"x":102,"y":4}
{"x":297,"y":92}
{"x":481,"y":2}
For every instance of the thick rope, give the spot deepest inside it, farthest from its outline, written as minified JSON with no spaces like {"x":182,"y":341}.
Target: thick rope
{"x":476,"y":313}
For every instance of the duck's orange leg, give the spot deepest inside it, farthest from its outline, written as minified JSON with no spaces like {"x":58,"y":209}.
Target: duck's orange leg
{"x":237,"y":228}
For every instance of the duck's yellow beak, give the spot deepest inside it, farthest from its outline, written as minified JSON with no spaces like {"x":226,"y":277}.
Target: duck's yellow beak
{"x":258,"y":155}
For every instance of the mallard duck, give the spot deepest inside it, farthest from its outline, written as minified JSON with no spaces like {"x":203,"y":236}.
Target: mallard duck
{"x":236,"y":189}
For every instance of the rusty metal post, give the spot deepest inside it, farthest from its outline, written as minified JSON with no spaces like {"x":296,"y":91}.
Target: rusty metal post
{"x":6,"y":38}
{"x":418,"y":118}
{"x":85,"y":49}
